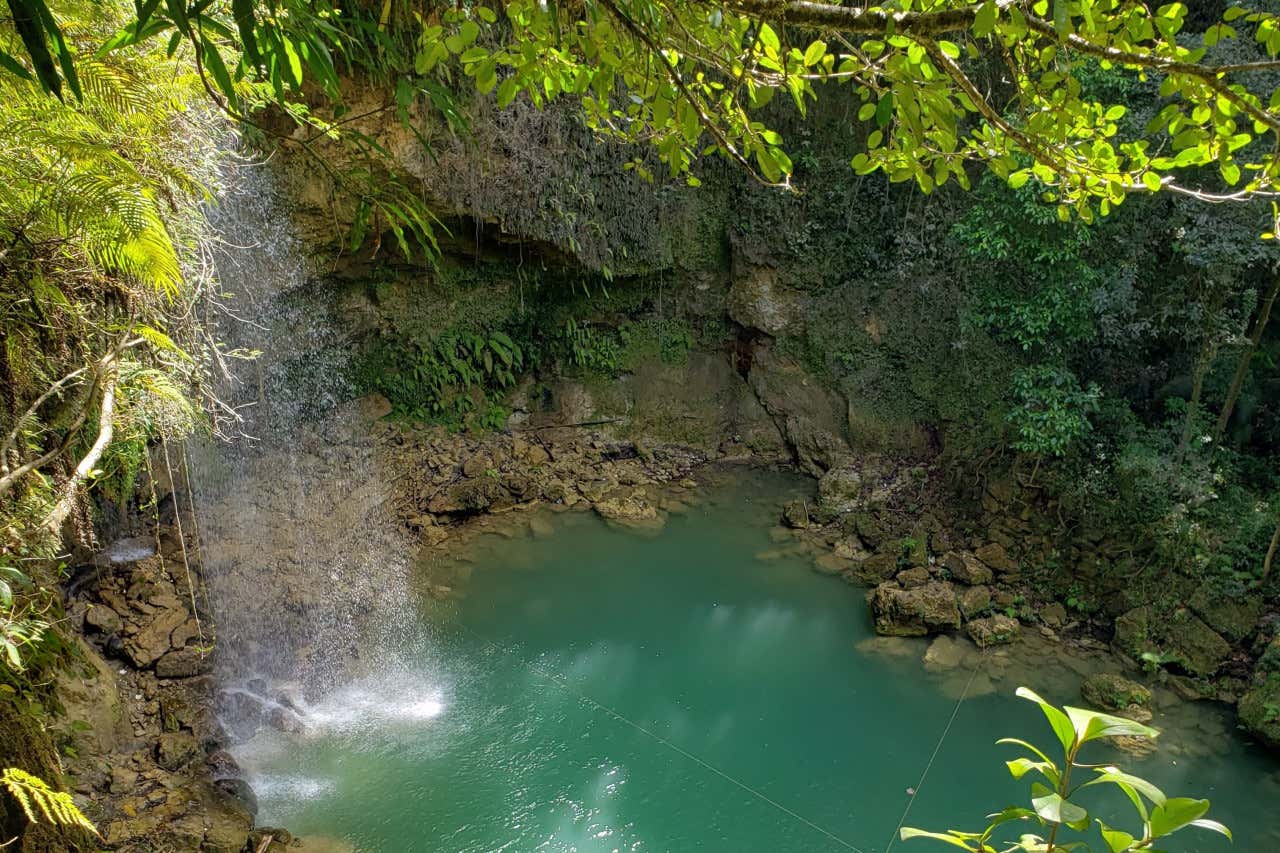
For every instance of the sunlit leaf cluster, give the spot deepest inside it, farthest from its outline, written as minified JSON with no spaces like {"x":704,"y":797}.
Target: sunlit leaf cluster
{"x":1054,"y":807}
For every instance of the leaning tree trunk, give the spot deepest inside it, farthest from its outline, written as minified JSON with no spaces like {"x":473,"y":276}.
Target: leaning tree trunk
{"x":1246,"y":357}
{"x":1271,"y":552}
{"x":1193,"y":405}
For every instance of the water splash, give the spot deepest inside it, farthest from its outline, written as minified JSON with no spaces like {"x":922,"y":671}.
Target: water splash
{"x":306,"y":568}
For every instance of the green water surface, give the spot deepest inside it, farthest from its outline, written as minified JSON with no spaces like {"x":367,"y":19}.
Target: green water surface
{"x":599,"y":690}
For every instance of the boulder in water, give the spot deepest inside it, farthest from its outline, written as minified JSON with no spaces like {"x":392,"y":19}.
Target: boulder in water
{"x":994,"y":630}
{"x":240,"y":791}
{"x":1112,"y":692}
{"x":927,"y":609}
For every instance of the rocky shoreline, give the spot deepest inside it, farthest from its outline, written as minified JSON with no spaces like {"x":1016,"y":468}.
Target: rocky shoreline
{"x":142,"y":744}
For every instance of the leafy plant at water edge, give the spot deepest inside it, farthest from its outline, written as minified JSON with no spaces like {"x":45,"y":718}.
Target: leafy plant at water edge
{"x":1054,"y":802}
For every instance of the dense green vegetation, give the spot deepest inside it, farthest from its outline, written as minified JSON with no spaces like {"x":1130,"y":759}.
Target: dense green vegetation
{"x":1119,"y":357}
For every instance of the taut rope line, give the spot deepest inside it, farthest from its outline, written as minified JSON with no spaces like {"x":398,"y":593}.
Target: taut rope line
{"x":568,"y":688}
{"x":936,"y":749}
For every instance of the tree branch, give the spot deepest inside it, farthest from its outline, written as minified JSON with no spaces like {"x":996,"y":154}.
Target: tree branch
{"x":106,"y":428}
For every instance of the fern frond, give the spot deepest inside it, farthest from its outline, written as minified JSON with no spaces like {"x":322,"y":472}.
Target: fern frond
{"x":160,"y":341}
{"x":37,"y":800}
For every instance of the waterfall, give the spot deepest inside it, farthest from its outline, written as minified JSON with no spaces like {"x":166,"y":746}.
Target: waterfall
{"x":305,"y":566}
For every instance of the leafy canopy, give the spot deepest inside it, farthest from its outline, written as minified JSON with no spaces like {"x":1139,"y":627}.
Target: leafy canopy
{"x":939,"y":83}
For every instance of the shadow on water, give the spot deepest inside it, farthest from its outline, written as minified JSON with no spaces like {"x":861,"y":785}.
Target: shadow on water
{"x":570,"y":690}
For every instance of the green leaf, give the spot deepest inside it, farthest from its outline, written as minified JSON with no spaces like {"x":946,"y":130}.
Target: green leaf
{"x":65,"y":58}
{"x":1117,"y":841}
{"x":1113,"y":776}
{"x":295,"y":62}
{"x":815,"y":52}
{"x":1176,"y":813}
{"x":213,"y":61}
{"x":242,"y":12}
{"x":1091,"y":725}
{"x":1051,"y":806}
{"x":984,"y":22}
{"x":907,"y":833}
{"x":1059,"y":721}
{"x":1213,"y":826}
{"x":8,"y":63}
{"x":884,"y":109}
{"x":769,"y":38}
{"x":26,"y":20}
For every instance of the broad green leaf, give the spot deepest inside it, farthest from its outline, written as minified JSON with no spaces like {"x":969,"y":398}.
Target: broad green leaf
{"x":985,"y":19}
{"x":815,"y":52}
{"x":1213,"y":826}
{"x":1176,"y":813}
{"x":1051,"y":806}
{"x":907,"y":833}
{"x":1059,"y":721}
{"x":1113,"y":776}
{"x":1091,"y":725}
{"x":1117,"y":840}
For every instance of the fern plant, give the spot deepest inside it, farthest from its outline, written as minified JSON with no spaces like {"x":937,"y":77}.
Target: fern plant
{"x":38,"y":801}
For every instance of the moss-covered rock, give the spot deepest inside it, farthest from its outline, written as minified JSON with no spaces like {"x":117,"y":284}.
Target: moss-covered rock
{"x":1112,"y":692}
{"x":927,"y":609}
{"x":1260,"y":711}
{"x":993,"y":630}
{"x":1235,"y":617}
{"x":1180,"y":637}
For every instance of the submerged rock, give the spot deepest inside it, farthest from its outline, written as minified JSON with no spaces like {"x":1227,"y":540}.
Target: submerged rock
{"x":1112,"y":692}
{"x":927,"y":609}
{"x":629,"y":508}
{"x":994,"y":630}
{"x":795,"y":514}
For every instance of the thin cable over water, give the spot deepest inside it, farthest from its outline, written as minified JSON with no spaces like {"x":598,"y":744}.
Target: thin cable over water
{"x":564,"y":684}
{"x":937,"y":748}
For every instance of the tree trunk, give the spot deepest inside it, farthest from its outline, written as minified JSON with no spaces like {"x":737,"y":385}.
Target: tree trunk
{"x":106,"y":428}
{"x":1271,"y":552}
{"x":1246,"y":358}
{"x":1193,"y":405}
